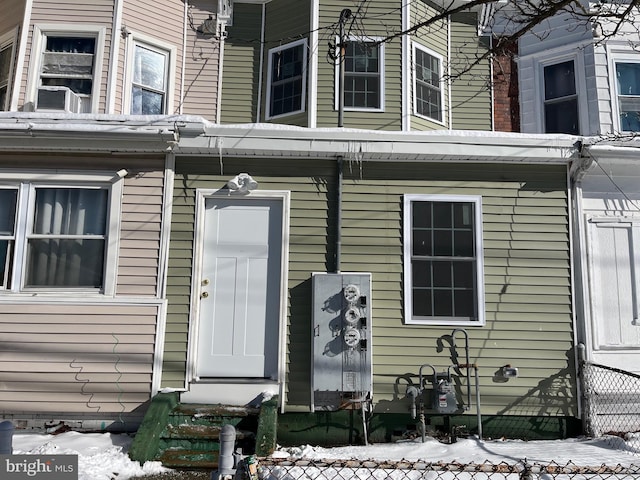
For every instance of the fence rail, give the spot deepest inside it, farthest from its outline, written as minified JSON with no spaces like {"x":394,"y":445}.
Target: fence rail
{"x":284,"y":469}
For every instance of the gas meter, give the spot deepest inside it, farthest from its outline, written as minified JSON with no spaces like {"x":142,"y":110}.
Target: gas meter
{"x":444,"y":395}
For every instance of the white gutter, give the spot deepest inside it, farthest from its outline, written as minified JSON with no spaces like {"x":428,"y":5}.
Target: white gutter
{"x":312,"y":94}
{"x":19,"y":74}
{"x":257,"y":140}
{"x":112,"y":74}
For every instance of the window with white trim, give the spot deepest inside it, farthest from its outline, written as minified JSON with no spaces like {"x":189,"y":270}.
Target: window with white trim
{"x":443,"y":262}
{"x":427,"y":83}
{"x":287,"y":73}
{"x":7,"y":52}
{"x":363,"y":74}
{"x":561,"y":99}
{"x":149,"y":80}
{"x":56,"y":236}
{"x":628,"y":95}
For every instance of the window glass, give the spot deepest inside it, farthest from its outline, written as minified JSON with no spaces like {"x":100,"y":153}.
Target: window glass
{"x":287,"y":68}
{"x":5,"y":70}
{"x":67,"y":245}
{"x":443,"y":260}
{"x":628,"y":83}
{"x":428,"y":93}
{"x":362,"y":75}
{"x":149,"y":81}
{"x":69,"y":62}
{"x":8,"y":200}
{"x":560,"y":99}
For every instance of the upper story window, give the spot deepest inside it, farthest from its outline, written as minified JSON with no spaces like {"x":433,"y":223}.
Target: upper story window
{"x":363,"y":75}
{"x":66,"y":77}
{"x":56,"y":236}
{"x":561,"y":99}
{"x":628,"y":94}
{"x":428,"y":92}
{"x":443,"y":263}
{"x":150,"y":79}
{"x":6,"y":69}
{"x":287,"y":85}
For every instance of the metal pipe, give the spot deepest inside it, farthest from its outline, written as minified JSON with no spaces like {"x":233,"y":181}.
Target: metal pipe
{"x":339,"y":175}
{"x":466,"y":349}
{"x":6,"y":437}
{"x":344,"y":16}
{"x":478,"y":414}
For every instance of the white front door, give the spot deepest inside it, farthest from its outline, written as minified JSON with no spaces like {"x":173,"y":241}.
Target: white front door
{"x":240,"y":288}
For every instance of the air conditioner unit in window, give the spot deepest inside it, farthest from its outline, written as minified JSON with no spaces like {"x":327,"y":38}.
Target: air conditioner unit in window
{"x":58,"y":99}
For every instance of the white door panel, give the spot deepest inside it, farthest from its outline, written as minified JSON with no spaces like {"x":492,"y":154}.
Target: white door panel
{"x":240,"y":273}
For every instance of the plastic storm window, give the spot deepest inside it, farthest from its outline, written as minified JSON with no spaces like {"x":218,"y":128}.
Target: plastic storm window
{"x":287,"y":72}
{"x":69,"y":61}
{"x":443,"y":263}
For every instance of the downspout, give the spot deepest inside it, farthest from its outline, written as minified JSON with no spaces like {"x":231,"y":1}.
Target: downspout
{"x":184,"y":55}
{"x":17,"y":77}
{"x":406,"y":78}
{"x":340,"y":161}
{"x":449,"y":88}
{"x":110,"y":106}
{"x":221,"y":35}
{"x":261,"y":63}
{"x":313,"y":66}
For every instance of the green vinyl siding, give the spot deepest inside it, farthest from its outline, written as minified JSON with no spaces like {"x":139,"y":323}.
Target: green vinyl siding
{"x":471,"y":77}
{"x":527,"y":274}
{"x":377,"y":20}
{"x":241,"y":65}
{"x":286,"y":21}
{"x":433,"y":37}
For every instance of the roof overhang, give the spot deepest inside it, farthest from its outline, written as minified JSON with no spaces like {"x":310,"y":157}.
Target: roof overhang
{"x":268,"y":141}
{"x":86,"y":133}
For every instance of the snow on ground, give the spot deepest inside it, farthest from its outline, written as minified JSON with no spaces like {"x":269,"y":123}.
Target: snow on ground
{"x":103,"y":456}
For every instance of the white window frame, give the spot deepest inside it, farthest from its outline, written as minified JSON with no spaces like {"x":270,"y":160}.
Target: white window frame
{"x":8,"y":41}
{"x":303,"y":78}
{"x":138,"y":39}
{"x":40,"y":34}
{"x":440,"y":58}
{"x":542,"y":61}
{"x":618,"y":55}
{"x":407,"y":243}
{"x":381,"y":66}
{"x":26,"y":183}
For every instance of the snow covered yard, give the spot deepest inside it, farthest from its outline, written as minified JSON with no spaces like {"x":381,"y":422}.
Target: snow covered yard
{"x":103,"y":456}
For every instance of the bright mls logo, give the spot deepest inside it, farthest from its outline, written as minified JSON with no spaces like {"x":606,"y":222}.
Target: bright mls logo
{"x":39,"y":467}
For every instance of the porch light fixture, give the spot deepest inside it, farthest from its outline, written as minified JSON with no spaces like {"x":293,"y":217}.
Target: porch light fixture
{"x":242,"y":183}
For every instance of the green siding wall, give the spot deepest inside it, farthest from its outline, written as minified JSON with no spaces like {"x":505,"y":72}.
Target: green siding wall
{"x":241,"y":65}
{"x":527,"y":273}
{"x":382,"y":18}
{"x":471,"y":85}
{"x":286,"y":21}
{"x":435,"y":38}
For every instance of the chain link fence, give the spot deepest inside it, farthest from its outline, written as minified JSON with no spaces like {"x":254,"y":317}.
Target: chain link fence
{"x":284,"y":469}
{"x":612,"y":404}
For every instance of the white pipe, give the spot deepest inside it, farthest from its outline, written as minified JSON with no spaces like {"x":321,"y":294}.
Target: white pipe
{"x":262,"y":29}
{"x":312,"y":93}
{"x":24,"y":35}
{"x":478,"y":414}
{"x":221,"y":34}
{"x":184,"y":55}
{"x":406,"y":67}
{"x":110,"y":104}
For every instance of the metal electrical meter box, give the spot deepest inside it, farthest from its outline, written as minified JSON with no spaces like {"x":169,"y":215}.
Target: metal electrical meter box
{"x":341,"y":339}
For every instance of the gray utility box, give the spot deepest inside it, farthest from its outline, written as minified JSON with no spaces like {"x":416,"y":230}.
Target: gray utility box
{"x":341,"y":368}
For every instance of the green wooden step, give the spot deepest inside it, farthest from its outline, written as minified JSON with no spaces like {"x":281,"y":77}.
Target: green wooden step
{"x":211,"y":432}
{"x":183,"y":458}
